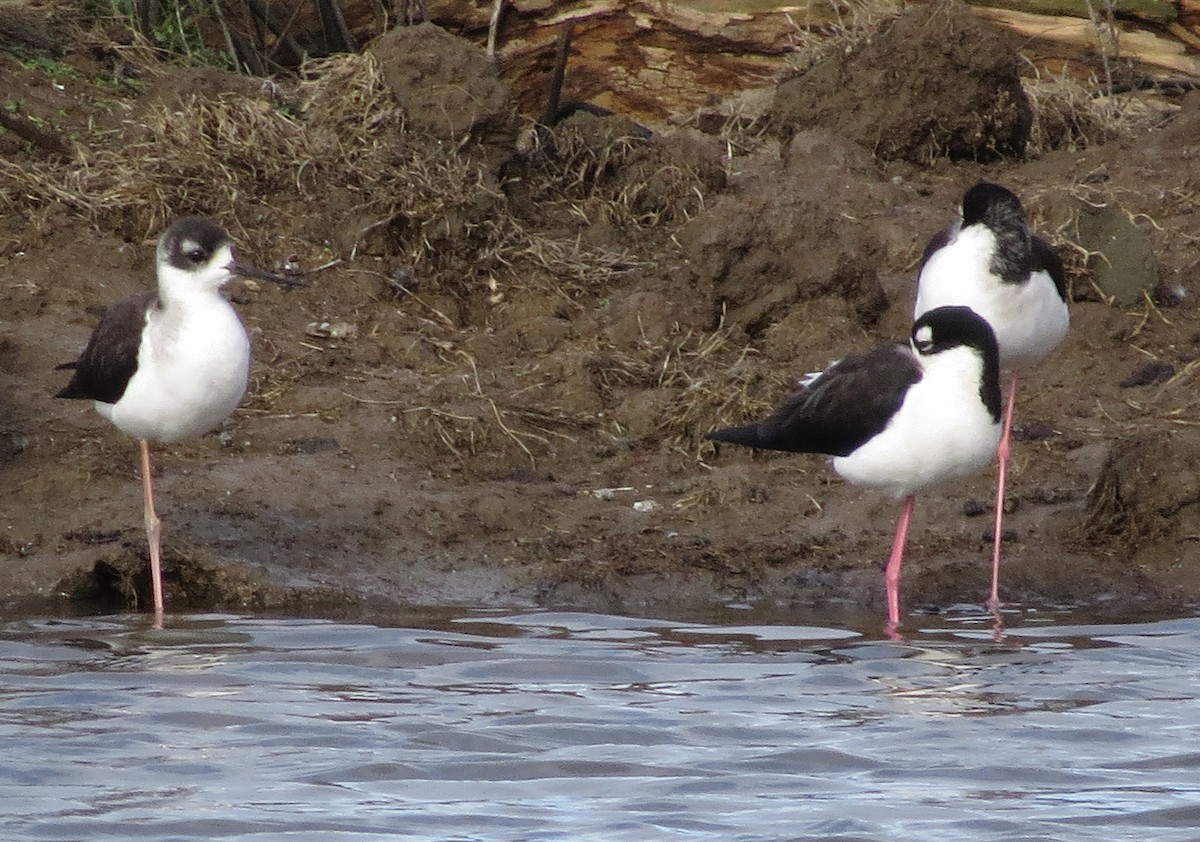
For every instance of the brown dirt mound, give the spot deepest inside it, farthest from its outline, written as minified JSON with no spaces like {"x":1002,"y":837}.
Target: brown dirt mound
{"x":446,"y":86}
{"x":781,"y":237}
{"x":935,"y":82}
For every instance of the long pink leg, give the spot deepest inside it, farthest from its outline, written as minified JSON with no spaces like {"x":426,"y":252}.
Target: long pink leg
{"x":1002,"y":477}
{"x":891,"y":574}
{"x":153,"y":535}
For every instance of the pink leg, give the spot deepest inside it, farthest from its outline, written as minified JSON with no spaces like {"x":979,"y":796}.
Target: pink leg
{"x":1002,"y":477}
{"x":153,"y":535}
{"x":891,"y":574}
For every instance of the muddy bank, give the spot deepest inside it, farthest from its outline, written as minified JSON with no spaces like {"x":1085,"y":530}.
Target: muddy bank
{"x":495,"y":387}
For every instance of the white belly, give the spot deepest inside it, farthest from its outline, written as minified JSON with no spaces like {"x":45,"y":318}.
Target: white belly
{"x":192,"y":370}
{"x":941,"y":432}
{"x":1029,"y":319}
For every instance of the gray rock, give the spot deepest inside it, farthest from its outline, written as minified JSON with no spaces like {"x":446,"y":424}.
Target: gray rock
{"x":1123,"y":260}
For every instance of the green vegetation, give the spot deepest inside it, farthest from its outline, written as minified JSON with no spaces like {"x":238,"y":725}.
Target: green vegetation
{"x":173,"y":26}
{"x":51,"y":67}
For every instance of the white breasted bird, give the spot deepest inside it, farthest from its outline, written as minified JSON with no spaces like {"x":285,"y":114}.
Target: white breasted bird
{"x":989,"y":260}
{"x":900,"y":418}
{"x":169,"y":364}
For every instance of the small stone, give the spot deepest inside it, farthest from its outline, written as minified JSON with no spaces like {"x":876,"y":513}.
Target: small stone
{"x":1050,"y":496}
{"x":1148,"y":374}
{"x":312,"y":444}
{"x":1008,"y":536}
{"x":331,"y":330}
{"x":1033,"y":431}
{"x":974,"y":508}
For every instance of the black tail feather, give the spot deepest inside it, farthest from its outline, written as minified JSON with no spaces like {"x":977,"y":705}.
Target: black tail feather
{"x":747,"y":436}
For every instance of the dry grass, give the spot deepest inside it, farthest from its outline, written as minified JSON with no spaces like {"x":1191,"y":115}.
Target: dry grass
{"x":745,"y":133}
{"x":443,"y":205}
{"x":580,"y":155}
{"x":205,"y":155}
{"x":238,"y":157}
{"x":709,"y":380}
{"x":607,"y":169}
{"x":1174,"y":404}
{"x":347,"y":96}
{"x":855,"y":22}
{"x":1068,"y":115}
{"x":486,"y":429}
{"x":569,"y":268}
{"x":698,"y":381}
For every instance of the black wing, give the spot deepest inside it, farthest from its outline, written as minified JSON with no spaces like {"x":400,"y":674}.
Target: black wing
{"x":1046,"y":259}
{"x":941,"y":238}
{"x":850,"y":403}
{"x":110,"y":358}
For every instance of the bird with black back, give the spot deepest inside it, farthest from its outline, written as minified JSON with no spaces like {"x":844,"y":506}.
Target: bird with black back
{"x":901,"y":418}
{"x":171,"y":363}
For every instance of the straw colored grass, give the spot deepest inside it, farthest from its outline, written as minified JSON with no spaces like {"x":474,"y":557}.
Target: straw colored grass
{"x":707,"y":380}
{"x":606,"y":169}
{"x":238,"y":157}
{"x":1068,"y":114}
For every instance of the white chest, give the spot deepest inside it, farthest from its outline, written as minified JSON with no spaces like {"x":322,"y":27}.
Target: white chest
{"x":942,"y":431}
{"x":192,"y":369}
{"x":1029,"y":318}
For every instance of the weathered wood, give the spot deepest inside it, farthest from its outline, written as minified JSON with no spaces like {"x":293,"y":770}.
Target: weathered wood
{"x":1155,"y":11}
{"x":653,"y":60}
{"x":649,"y":59}
{"x":1080,"y":35}
{"x":645,"y":59}
{"x":1185,"y":35}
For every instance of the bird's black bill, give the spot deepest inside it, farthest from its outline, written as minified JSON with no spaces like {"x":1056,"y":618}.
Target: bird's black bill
{"x":244,"y":270}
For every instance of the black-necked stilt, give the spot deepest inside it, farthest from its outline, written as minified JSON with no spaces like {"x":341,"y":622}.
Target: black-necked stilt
{"x":989,"y":261}
{"x":900,"y":417}
{"x":172,"y":363}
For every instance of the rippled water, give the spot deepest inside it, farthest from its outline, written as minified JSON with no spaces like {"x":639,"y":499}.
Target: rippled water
{"x":557,"y":726}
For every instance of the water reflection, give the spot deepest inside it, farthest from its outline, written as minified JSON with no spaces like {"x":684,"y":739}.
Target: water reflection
{"x":541,"y":725}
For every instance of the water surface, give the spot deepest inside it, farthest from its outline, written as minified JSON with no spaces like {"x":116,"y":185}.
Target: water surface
{"x":556,"y":726}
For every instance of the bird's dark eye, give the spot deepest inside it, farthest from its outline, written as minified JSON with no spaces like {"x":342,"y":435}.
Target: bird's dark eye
{"x":195,"y":256}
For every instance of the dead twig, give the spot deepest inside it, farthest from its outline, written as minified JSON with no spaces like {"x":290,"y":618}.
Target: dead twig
{"x":45,"y":139}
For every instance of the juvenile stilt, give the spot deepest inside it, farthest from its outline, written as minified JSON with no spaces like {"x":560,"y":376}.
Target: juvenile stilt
{"x":172,"y":363}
